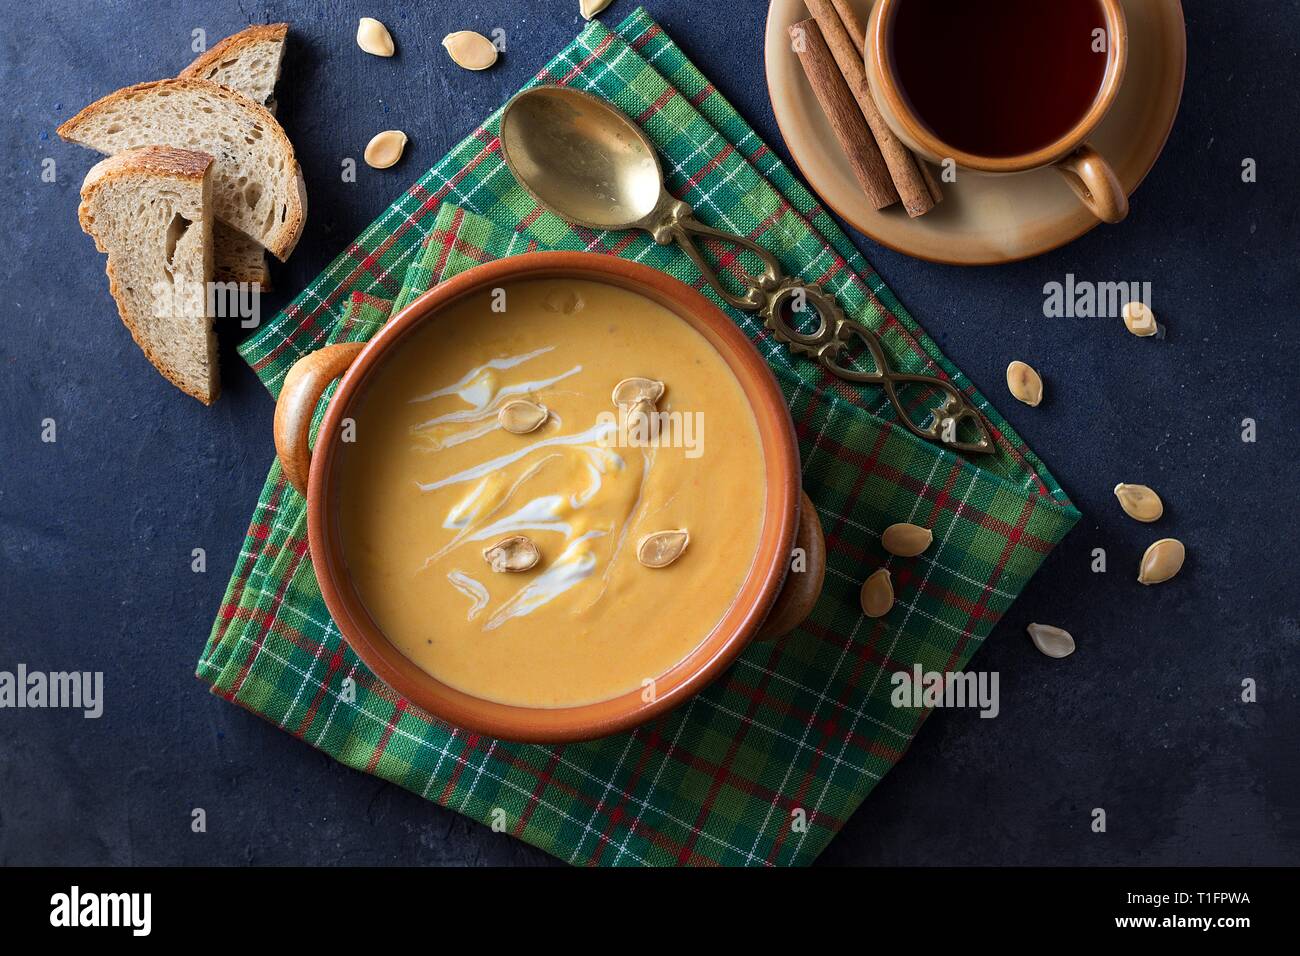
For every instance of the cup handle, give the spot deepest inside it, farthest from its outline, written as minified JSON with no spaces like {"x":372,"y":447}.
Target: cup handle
{"x":1095,"y":183}
{"x":801,"y":588}
{"x":303,"y":387}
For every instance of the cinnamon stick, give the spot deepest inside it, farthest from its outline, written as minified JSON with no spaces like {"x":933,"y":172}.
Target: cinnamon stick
{"x":931,"y":180}
{"x":903,"y":166}
{"x":857,"y":32}
{"x":841,"y":109}
{"x":853,"y":24}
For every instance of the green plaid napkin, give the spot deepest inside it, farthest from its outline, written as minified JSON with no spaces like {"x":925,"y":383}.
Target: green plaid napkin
{"x":767,"y":764}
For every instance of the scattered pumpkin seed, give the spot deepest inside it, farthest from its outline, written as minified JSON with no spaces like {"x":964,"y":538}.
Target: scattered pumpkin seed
{"x":906,"y":540}
{"x":1162,"y":561}
{"x":522,"y":416}
{"x":1025,"y":383}
{"x":385,"y":149}
{"x":1139,"y":502}
{"x":630,"y":391}
{"x":589,"y":8}
{"x":470,"y":50}
{"x":877,"y":594}
{"x":374,"y":38}
{"x":1140,"y":320}
{"x":661,"y":548}
{"x":1052,"y":641}
{"x":516,"y":553}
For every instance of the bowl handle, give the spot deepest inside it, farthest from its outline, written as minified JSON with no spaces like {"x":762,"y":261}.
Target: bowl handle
{"x":803,"y":586}
{"x":303,"y":387}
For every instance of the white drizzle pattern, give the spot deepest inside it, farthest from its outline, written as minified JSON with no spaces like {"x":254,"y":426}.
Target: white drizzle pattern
{"x":574,"y":564}
{"x":472,"y":589}
{"x":488,"y":511}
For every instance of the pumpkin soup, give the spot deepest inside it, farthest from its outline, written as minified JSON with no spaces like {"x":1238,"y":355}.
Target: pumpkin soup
{"x":554,"y":492}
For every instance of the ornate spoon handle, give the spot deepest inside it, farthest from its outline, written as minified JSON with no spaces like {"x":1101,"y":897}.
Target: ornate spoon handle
{"x":772,"y":292}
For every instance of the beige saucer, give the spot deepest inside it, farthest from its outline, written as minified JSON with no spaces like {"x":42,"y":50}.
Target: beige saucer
{"x":985,"y":220}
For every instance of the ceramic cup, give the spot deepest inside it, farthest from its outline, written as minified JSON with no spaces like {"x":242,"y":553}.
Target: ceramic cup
{"x":770,"y":602}
{"x":1086,"y":171}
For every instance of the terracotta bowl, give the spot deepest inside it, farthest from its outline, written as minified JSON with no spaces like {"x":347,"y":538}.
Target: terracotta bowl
{"x":767,"y":605}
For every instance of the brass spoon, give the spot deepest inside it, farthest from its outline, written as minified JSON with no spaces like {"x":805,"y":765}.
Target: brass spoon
{"x":589,"y":163}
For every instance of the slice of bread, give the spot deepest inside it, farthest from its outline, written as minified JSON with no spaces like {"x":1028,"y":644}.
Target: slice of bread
{"x":238,"y":258}
{"x":248,"y":61}
{"x":150,"y":210}
{"x":256,"y":183}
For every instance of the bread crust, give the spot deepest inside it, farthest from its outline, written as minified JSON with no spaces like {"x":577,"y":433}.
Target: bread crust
{"x":165,"y":162}
{"x":235,"y":43}
{"x":160,"y":160}
{"x":287,"y":234}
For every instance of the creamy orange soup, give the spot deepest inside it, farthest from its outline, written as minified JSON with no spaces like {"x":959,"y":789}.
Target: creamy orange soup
{"x":433,"y":479}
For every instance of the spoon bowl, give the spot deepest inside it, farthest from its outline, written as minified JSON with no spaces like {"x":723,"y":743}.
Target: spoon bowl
{"x":575,"y":152}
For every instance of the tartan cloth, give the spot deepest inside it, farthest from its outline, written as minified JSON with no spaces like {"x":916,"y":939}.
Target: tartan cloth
{"x":764,"y":766}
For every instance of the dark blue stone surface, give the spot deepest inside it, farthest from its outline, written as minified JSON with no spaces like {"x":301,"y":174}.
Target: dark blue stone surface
{"x":1145,"y":720}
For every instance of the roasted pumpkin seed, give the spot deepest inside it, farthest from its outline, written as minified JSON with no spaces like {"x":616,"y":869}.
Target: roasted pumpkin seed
{"x":906,"y":540}
{"x":1140,"y":320}
{"x":589,"y":8}
{"x":385,"y":148}
{"x":661,"y":548}
{"x":522,"y":416}
{"x":516,"y":553}
{"x":1025,"y":383}
{"x":374,"y":38}
{"x":1139,"y":502}
{"x":630,"y":391}
{"x":877,"y":594}
{"x":1161,"y":561}
{"x":470,"y":50}
{"x":1052,"y":641}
